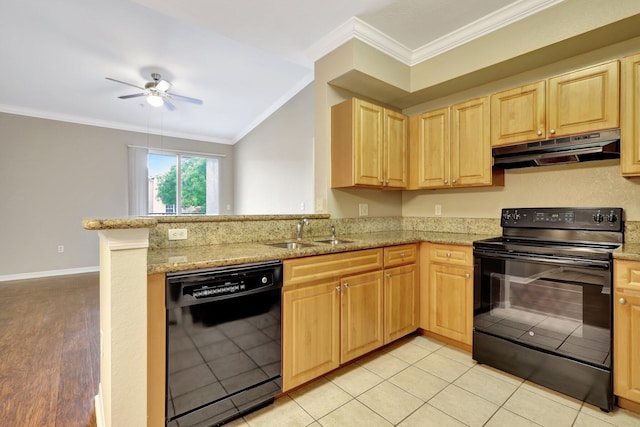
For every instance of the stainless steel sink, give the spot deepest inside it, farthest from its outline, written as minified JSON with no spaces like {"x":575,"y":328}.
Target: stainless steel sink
{"x":334,"y":241}
{"x":290,"y":245}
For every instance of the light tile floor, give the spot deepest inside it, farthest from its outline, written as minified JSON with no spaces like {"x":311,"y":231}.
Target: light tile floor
{"x":422,"y":382}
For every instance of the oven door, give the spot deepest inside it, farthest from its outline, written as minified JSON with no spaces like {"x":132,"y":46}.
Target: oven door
{"x":554,"y":305}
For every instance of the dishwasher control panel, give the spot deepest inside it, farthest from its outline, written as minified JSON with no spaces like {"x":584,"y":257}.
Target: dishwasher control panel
{"x":187,"y":288}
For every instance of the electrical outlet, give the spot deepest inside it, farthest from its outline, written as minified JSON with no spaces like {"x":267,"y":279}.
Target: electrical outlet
{"x":319,"y":204}
{"x":363,"y":209}
{"x":178,"y":234}
{"x":438,"y":210}
{"x":60,"y":249}
{"x":302,"y":206}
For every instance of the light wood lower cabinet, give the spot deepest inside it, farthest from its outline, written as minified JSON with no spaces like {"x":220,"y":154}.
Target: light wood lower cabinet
{"x":401,"y":291}
{"x":338,"y":307}
{"x":331,"y":312}
{"x":311,"y":332}
{"x":447,"y":293}
{"x":626,"y":333}
{"x":400,"y":302}
{"x":361,"y":315}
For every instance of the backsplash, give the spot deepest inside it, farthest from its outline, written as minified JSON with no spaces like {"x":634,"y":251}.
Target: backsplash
{"x":258,"y":228}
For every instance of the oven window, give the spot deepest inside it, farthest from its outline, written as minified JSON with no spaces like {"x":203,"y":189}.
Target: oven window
{"x":561,"y":309}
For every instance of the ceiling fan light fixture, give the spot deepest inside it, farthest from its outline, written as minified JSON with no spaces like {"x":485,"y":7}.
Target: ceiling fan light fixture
{"x":155,"y":100}
{"x":163,"y":85}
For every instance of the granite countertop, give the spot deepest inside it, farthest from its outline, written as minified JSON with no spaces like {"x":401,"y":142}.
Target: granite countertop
{"x":195,"y":257}
{"x":628,"y":251}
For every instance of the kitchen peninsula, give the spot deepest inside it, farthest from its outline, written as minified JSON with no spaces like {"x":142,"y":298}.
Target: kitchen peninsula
{"x":136,"y":254}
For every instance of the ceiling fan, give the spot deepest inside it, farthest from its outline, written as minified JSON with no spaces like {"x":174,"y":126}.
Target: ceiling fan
{"x":157,"y":92}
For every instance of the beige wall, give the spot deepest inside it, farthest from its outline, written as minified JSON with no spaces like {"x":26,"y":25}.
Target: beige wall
{"x":574,"y":34}
{"x":273,"y":164}
{"x":589,"y":184}
{"x":55,"y":174}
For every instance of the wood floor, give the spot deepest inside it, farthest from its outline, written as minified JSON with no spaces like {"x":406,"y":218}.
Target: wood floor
{"x":49,"y":351}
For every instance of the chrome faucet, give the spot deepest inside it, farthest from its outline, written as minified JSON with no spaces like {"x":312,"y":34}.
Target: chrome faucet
{"x":333,"y":232}
{"x":303,"y":221}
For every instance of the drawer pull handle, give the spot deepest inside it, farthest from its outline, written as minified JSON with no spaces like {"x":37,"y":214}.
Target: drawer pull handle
{"x":539,"y":132}
{"x":448,"y":254}
{"x":402,"y":254}
{"x":338,"y":288}
{"x":388,"y":275}
{"x":622,"y":301}
{"x":346,"y":285}
{"x":467,"y":275}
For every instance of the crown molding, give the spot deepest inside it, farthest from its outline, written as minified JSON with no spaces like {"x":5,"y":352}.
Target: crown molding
{"x":355,"y":28}
{"x":487,"y":24}
{"x":10,"y":109}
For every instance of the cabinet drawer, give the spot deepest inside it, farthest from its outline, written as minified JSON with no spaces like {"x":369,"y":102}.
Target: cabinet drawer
{"x":451,"y":254}
{"x":303,"y":270}
{"x":401,"y":254}
{"x":626,"y":275}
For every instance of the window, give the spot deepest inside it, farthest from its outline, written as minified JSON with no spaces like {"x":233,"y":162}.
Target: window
{"x":181,"y":184}
{"x":172,"y":183}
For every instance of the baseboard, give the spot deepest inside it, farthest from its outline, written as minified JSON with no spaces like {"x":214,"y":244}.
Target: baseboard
{"x":49,"y":273}
{"x":100,"y":422}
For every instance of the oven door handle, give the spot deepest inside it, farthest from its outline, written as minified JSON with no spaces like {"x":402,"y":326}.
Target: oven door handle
{"x":595,"y":264}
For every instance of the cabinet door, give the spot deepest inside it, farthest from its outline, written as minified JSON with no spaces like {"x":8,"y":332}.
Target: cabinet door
{"x":626,"y":333}
{"x":471,"y":143}
{"x":368,"y":143}
{"x":450,"y":302}
{"x":400,"y":302}
{"x":395,"y":149}
{"x":430,"y":156}
{"x":518,"y":115}
{"x":361,"y":322}
{"x":310,"y":332}
{"x":630,"y":118}
{"x":585,"y":100}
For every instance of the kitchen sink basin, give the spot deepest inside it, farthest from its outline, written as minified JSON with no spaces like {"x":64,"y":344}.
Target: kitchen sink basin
{"x":334,"y":241}
{"x":290,"y":245}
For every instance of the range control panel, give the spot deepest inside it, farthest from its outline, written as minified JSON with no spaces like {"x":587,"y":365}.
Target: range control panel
{"x":601,"y":219}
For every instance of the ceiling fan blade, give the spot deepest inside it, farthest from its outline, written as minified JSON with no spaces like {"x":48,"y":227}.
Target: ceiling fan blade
{"x":185,"y":98}
{"x":168,"y":104}
{"x":135,"y":95}
{"x":124,"y":83}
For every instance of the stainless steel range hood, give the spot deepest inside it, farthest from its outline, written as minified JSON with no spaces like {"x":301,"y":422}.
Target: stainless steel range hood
{"x":570,"y":149}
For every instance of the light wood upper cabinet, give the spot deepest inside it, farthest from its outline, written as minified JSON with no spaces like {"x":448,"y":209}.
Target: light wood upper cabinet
{"x":369,"y":145}
{"x":430,"y":143}
{"x":630,"y":117}
{"x":450,"y":147}
{"x":519,"y":114}
{"x":581,"y":101}
{"x":626,"y":327}
{"x":585,"y":100}
{"x":471,"y":159}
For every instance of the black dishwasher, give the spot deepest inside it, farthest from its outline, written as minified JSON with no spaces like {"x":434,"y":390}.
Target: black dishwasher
{"x":223,"y":342}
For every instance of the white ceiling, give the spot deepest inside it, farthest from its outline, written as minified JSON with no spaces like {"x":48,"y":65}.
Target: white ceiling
{"x":243,"y":58}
